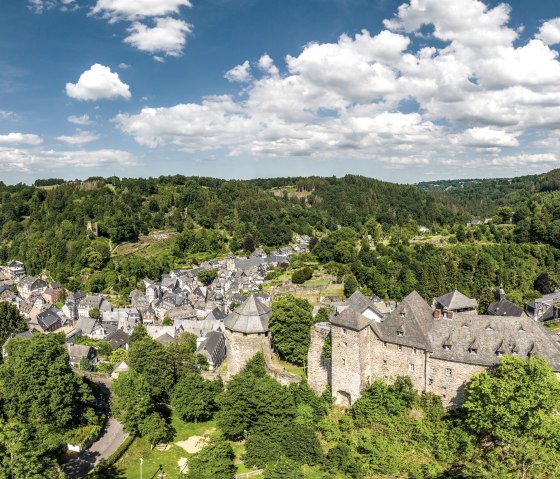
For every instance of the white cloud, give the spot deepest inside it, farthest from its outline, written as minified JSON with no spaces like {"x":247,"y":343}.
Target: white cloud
{"x":41,"y":6}
{"x":240,"y":73}
{"x":124,"y":66}
{"x":79,"y":138}
{"x":167,"y":36}
{"x":79,"y":120}
{"x":133,"y":9}
{"x":529,"y":160}
{"x":98,"y":83}
{"x":549,"y":32}
{"x":20,"y":139}
{"x":6,"y":114}
{"x":474,"y":91}
{"x":486,"y":137}
{"x":25,"y":160}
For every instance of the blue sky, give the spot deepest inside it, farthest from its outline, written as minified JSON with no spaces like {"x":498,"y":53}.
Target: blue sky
{"x":402,"y":91}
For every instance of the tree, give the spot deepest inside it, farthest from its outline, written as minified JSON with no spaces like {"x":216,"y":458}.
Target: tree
{"x":214,"y":461}
{"x":154,"y":362}
{"x":519,"y":398}
{"x":11,"y":321}
{"x":94,"y":313}
{"x":167,"y":321}
{"x":283,"y":468}
{"x":194,"y":397}
{"x":350,"y":285}
{"x":38,"y":388}
{"x":300,"y":276}
{"x":85,"y":364}
{"x":138,"y":332}
{"x":249,"y":244}
{"x":132,"y":400}
{"x":543,"y":283}
{"x":485,"y":299}
{"x":207,"y":276}
{"x":290,"y":323}
{"x":156,"y":430}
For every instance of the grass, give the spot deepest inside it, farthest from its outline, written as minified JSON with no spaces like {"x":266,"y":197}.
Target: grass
{"x":129,"y":464}
{"x":553,"y":325}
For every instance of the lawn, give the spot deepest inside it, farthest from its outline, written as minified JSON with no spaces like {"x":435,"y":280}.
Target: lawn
{"x":168,"y":460}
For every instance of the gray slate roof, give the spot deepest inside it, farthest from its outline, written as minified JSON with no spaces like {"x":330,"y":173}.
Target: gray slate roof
{"x":250,"y":317}
{"x":350,"y":319}
{"x":456,"y":300}
{"x":504,"y":307}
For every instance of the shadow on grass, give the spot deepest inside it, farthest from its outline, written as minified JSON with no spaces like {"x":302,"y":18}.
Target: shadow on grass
{"x":111,"y":472}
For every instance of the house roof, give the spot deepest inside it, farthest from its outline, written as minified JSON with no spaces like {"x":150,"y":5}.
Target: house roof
{"x":489,"y":336}
{"x":86,"y":324}
{"x":47,"y":319}
{"x":457,"y":300}
{"x":350,"y":318}
{"x":250,"y":317}
{"x":165,"y":338}
{"x":360,"y":303}
{"x":117,"y":338}
{"x":78,"y":350}
{"x":504,"y":307}
{"x":213,"y":343}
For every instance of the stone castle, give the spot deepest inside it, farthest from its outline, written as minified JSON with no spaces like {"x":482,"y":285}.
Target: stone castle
{"x":440,"y":348}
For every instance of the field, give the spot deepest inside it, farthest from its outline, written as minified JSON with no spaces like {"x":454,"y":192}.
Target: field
{"x":156,"y":460}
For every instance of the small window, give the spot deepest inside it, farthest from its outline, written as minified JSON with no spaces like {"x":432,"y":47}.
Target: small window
{"x":343,"y":362}
{"x":344,"y":344}
{"x":447,"y":347}
{"x":384,"y":344}
{"x":448,"y":371}
{"x":414,"y":351}
{"x":473,"y":350}
{"x":411,"y":368}
{"x":384,"y":361}
{"x":400,"y":333}
{"x":244,"y":334}
{"x":430,"y":382}
{"x":344,"y":331}
{"x":399,"y":347}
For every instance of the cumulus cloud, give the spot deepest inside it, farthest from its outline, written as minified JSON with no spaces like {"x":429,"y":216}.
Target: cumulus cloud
{"x":79,"y":138}
{"x":167,"y":36}
{"x":127,"y":9}
{"x":20,"y":139}
{"x":549,"y":32}
{"x":240,"y":73}
{"x":79,"y":120}
{"x":28,"y":160}
{"x":470,"y":90}
{"x":98,"y":83}
{"x":41,"y":6}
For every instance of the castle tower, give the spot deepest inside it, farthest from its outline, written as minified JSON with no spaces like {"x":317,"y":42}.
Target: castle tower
{"x":247,"y":334}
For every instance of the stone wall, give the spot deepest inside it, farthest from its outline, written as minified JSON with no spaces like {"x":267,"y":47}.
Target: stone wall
{"x":347,"y":364}
{"x":448,"y":378}
{"x":241,"y":347}
{"x":318,"y":368}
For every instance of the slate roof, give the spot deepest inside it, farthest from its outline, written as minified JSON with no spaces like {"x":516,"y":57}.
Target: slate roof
{"x":78,"y":350}
{"x":504,"y":307}
{"x":250,"y":317}
{"x":86,"y":324}
{"x":360,"y":303}
{"x":491,"y":335}
{"x":213,"y":343}
{"x":351,"y":319}
{"x":117,"y":338}
{"x":47,"y":319}
{"x":456,"y":300}
{"x":165,"y":338}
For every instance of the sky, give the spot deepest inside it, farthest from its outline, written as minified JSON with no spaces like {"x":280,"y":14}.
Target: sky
{"x":409,"y":91}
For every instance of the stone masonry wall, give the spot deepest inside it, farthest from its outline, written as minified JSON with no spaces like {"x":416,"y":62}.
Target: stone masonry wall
{"x":346,"y":364}
{"x":318,"y":368}
{"x":448,"y":378}
{"x":240,"y":348}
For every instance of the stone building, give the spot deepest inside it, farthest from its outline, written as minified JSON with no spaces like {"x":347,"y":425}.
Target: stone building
{"x":439,"y":354}
{"x":247,"y":333}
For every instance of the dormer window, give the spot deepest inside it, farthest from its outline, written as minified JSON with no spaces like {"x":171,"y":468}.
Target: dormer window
{"x":447,"y":347}
{"x":344,"y":331}
{"x":473,"y":350}
{"x":402,"y":314}
{"x":400,"y":333}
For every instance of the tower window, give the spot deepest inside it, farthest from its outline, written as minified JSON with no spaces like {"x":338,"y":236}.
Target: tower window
{"x":411,"y":367}
{"x":399,"y":347}
{"x":448,"y":371}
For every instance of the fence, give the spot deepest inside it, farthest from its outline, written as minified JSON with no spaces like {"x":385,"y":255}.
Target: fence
{"x":246,"y":475}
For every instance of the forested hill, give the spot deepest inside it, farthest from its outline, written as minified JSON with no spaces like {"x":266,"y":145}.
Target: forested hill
{"x":483,"y":197}
{"x":45,"y":225}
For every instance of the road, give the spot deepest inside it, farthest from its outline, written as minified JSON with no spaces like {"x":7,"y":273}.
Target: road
{"x":111,"y":438}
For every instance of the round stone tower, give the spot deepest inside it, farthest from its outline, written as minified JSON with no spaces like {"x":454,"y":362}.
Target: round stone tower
{"x":247,"y":334}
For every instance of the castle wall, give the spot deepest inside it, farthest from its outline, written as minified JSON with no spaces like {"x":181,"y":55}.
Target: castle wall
{"x":448,"y":378}
{"x":318,"y":368}
{"x":241,"y":347}
{"x":347,"y":367}
{"x":390,"y":360}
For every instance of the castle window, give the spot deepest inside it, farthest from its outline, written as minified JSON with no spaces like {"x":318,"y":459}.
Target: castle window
{"x":266,"y":334}
{"x":244,"y":334}
{"x":448,"y":371}
{"x":414,"y":351}
{"x":344,"y":344}
{"x":384,"y":361}
{"x":447,"y":347}
{"x":384,"y":344}
{"x":400,"y":333}
{"x":343,"y":362}
{"x":443,"y":392}
{"x":411,"y":368}
{"x":473,"y":350}
{"x":344,"y":331}
{"x":399,"y":347}
{"x":430,"y":382}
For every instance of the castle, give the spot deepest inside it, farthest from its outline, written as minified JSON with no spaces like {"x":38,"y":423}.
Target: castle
{"x":440,"y":348}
